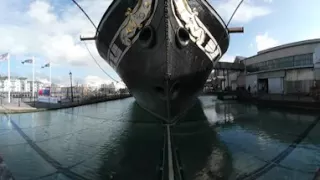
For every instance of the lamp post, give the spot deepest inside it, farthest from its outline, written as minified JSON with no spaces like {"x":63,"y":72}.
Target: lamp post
{"x":70,"y":73}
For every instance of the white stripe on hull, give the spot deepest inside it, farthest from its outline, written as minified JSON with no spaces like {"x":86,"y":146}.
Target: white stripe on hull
{"x":197,"y":30}
{"x":125,"y":38}
{"x":184,"y":16}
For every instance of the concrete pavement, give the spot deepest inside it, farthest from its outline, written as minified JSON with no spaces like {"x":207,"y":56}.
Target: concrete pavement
{"x":24,"y":107}
{"x":17,"y":108}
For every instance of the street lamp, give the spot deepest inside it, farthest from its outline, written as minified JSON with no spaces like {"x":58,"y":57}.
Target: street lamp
{"x":70,"y":74}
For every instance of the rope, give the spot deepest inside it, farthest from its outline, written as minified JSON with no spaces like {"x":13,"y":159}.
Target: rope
{"x":234,"y":12}
{"x":99,"y":64}
{"x":75,"y":2}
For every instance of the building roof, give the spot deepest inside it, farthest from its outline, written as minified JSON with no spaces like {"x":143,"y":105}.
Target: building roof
{"x":239,"y":58}
{"x":284,"y":46}
{"x":12,"y":78}
{"x":298,"y":43}
{"x":37,"y":82}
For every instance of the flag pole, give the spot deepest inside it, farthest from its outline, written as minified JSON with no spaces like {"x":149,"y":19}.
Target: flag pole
{"x":9,"y":81}
{"x":33,"y":77}
{"x":50,"y":78}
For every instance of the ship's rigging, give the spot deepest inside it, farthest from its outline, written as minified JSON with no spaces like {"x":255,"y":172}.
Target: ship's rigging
{"x":230,"y":19}
{"x":87,"y":48}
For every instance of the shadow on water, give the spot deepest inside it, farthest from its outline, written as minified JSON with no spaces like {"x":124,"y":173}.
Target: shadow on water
{"x":138,"y":151}
{"x":119,"y":140}
{"x":138,"y":154}
{"x":115,"y":140}
{"x":200,"y":153}
{"x":203,"y":156}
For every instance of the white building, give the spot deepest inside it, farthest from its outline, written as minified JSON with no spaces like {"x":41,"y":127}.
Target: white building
{"x":18,"y":84}
{"x":37,"y":86}
{"x":289,"y":68}
{"x":108,"y":88}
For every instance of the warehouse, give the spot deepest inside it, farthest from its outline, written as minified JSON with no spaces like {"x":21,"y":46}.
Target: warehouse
{"x":289,"y":68}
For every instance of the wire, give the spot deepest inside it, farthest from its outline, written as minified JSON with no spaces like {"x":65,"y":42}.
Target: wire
{"x":234,"y":12}
{"x":75,"y":2}
{"x":99,"y":64}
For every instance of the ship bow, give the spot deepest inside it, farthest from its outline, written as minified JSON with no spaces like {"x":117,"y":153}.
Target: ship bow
{"x":163,"y":50}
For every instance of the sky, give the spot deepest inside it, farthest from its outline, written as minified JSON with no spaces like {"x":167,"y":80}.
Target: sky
{"x":49,"y":30}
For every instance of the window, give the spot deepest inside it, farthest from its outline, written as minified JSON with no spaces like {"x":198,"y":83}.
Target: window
{"x":285,"y":62}
{"x":303,"y":60}
{"x":282,"y":63}
{"x":271,"y":64}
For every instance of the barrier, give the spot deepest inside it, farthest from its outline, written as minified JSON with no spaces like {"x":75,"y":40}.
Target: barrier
{"x":48,"y":99}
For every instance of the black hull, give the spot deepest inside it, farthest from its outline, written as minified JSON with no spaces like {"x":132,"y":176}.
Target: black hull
{"x":165,"y":72}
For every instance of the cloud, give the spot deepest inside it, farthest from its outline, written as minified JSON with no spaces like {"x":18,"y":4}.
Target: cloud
{"x":96,"y":81}
{"x":227,"y":58}
{"x":89,"y":80}
{"x":44,"y":80}
{"x":264,"y":42}
{"x":49,"y":30}
{"x":246,"y":12}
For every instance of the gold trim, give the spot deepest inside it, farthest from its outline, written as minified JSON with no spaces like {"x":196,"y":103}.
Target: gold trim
{"x":135,"y":20}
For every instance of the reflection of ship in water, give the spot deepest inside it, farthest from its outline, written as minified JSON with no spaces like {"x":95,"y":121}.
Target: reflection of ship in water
{"x":138,"y":154}
{"x":203,"y":155}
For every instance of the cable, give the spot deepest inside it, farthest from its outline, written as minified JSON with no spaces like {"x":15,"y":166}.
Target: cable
{"x":75,"y":2}
{"x":99,"y":64}
{"x":234,"y":12}
{"x":226,"y":28}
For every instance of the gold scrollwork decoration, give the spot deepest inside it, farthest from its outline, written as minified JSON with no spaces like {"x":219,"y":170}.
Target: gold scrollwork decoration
{"x":135,"y":19}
